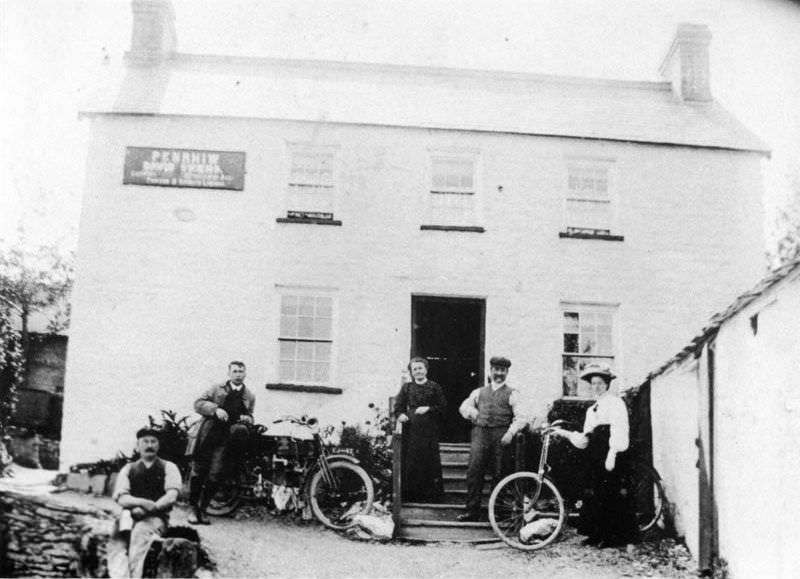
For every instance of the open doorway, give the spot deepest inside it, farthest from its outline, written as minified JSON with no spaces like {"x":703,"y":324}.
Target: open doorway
{"x":449,"y":332}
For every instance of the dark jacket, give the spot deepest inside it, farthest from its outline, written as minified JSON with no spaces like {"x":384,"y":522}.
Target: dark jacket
{"x":207,"y":405}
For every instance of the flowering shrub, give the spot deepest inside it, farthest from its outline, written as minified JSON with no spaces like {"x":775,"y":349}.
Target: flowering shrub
{"x":371,"y":444}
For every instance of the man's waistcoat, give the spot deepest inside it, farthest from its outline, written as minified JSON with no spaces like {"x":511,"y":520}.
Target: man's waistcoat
{"x":147,"y":483}
{"x":494,"y":408}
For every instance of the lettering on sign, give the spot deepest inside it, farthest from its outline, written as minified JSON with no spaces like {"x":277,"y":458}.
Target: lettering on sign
{"x":165,"y":167}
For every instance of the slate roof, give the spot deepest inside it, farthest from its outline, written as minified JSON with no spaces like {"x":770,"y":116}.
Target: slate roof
{"x":438,"y":98}
{"x":718,"y":319}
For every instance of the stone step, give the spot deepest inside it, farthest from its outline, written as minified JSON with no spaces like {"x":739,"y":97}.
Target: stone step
{"x":456,"y":482}
{"x":454,"y":468}
{"x":431,"y":511}
{"x":439,"y":531}
{"x":460,"y":455}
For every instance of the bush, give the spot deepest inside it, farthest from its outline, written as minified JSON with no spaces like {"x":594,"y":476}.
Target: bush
{"x":371,"y":444}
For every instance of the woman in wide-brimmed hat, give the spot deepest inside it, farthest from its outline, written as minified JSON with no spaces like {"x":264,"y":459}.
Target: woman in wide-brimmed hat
{"x":607,"y":515}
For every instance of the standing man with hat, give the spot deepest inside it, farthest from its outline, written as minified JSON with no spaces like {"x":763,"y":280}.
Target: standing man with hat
{"x":227,"y":411}
{"x":494,"y":412}
{"x":146,"y":489}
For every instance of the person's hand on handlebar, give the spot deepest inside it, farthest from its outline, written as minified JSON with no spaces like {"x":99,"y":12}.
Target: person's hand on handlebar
{"x":246,"y":418}
{"x":221,"y":414}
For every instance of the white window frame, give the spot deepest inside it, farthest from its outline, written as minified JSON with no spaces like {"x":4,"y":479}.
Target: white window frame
{"x":574,"y":164}
{"x":307,"y":292}
{"x":439,"y":191}
{"x":610,"y":355}
{"x":298,"y":209}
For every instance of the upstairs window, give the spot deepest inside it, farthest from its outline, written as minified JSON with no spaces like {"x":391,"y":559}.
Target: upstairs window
{"x":588,"y":336}
{"x":453,"y":190}
{"x":306,"y":339}
{"x":312,"y":186}
{"x":590,"y":208}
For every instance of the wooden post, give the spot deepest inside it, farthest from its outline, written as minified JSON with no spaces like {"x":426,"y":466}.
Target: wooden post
{"x":397,"y":467}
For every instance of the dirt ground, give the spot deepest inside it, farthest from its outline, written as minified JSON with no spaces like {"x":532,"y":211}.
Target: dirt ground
{"x":256,"y":544}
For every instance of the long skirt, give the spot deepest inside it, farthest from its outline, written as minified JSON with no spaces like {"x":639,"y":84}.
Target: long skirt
{"x":608,"y":513}
{"x":422,"y":464}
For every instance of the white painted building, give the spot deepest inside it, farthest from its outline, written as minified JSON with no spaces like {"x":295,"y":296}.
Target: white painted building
{"x":725,"y":431}
{"x":342,"y":216}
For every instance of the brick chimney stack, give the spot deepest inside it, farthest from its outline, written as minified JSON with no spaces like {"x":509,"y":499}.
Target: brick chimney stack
{"x":153,"y":38}
{"x":686,"y":65}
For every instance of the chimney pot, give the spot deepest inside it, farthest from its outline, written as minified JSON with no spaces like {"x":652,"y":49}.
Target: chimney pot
{"x":686,"y":65}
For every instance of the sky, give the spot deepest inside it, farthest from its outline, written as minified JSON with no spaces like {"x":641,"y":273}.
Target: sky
{"x":55,"y":53}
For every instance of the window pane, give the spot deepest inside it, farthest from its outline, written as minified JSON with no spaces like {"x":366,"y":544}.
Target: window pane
{"x":322,"y":352}
{"x":306,"y":306}
{"x":286,"y":371}
{"x":571,"y":322}
{"x":287,"y":350}
{"x":289,"y":305}
{"x":322,"y":329}
{"x":570,"y":376}
{"x":305,"y":327}
{"x":288,"y":327}
{"x":305,"y":351}
{"x":304,"y":371}
{"x":571,"y":343}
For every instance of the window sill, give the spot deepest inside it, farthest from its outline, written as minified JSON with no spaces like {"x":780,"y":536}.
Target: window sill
{"x":600,"y":236}
{"x":304,"y":388}
{"x":467,"y":228}
{"x":308,"y":221}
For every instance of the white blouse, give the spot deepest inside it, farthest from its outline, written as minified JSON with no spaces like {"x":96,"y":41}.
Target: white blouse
{"x":610,"y":409}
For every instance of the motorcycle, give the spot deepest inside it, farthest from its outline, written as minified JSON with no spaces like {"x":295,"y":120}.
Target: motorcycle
{"x":287,"y":466}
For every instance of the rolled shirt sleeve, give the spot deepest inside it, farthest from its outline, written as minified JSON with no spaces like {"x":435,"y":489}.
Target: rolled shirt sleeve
{"x":123,"y":486}
{"x":469,"y":408}
{"x":172,"y":477}
{"x":520,"y":416}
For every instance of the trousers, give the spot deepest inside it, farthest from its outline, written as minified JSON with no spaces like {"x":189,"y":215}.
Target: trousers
{"x":486,"y":454}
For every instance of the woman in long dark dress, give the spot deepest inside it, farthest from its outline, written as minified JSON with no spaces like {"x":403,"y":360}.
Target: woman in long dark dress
{"x":607,"y":515}
{"x":419,"y":406}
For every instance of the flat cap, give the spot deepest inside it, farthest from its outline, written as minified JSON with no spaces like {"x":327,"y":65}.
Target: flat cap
{"x":148,"y":431}
{"x":500,"y":361}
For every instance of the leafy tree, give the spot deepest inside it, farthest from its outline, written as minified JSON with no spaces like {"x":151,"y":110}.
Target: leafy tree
{"x":787,"y":246}
{"x":31,"y":280}
{"x":36,"y":280}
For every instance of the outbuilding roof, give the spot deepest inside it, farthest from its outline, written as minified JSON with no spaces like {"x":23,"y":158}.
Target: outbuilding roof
{"x":436,"y":98}
{"x":718,"y":319}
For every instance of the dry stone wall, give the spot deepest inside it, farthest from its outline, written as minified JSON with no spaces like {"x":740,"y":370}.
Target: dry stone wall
{"x":40,"y":536}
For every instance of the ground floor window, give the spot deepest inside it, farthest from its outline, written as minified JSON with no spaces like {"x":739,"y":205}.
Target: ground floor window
{"x":588,"y":336}
{"x":306,"y":339}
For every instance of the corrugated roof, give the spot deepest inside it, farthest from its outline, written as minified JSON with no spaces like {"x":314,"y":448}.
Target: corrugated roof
{"x":720,"y":318}
{"x":440,"y":98}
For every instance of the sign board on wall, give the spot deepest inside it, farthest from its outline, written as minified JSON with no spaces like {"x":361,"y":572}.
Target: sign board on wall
{"x":168,"y":167}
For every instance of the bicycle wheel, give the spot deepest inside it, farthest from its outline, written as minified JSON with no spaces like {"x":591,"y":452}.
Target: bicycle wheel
{"x":527,"y":512}
{"x":648,"y":494}
{"x":337,"y":498}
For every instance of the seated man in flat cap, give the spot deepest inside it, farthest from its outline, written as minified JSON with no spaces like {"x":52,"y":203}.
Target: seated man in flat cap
{"x":495,"y":411}
{"x":147,"y":489}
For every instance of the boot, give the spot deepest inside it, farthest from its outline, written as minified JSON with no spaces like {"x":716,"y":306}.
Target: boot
{"x":198,"y":517}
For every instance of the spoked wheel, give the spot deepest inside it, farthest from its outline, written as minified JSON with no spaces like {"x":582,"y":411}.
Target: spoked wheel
{"x":340,"y":494}
{"x":648,"y":494}
{"x":526,"y":512}
{"x":227,"y":498}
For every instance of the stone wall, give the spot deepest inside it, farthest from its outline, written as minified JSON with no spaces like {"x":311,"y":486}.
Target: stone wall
{"x":42,"y":536}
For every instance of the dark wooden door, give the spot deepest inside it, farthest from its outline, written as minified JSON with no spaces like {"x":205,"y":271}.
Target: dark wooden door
{"x":449,"y":332}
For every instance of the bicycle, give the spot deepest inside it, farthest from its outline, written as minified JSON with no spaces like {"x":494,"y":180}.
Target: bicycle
{"x":528,"y":512}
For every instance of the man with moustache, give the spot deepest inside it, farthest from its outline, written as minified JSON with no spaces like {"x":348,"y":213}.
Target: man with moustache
{"x":146,"y":490}
{"x":495,"y":413}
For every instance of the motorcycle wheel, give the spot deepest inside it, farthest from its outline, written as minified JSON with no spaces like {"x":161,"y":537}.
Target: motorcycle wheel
{"x":226,"y":500}
{"x":336,"y":501}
